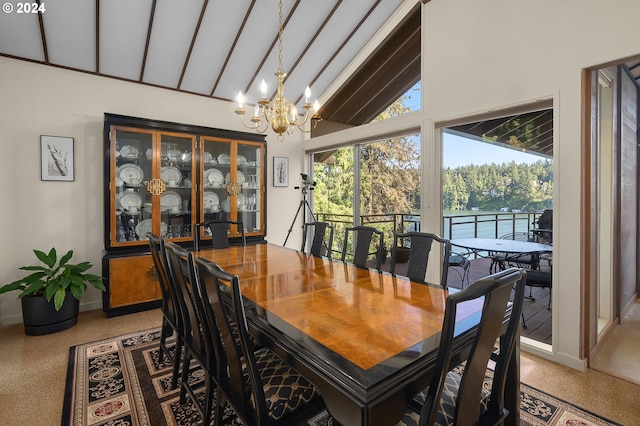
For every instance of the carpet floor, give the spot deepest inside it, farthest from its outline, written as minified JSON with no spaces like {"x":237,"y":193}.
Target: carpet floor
{"x":120,"y":381}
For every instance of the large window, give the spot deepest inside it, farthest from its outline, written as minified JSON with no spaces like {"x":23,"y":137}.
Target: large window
{"x":375,"y":184}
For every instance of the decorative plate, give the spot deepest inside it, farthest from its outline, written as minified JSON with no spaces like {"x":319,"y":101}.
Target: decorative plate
{"x":224,"y":159}
{"x":168,"y":173}
{"x":130,"y":199}
{"x":130,"y":174}
{"x":129,"y":151}
{"x":208,"y":158}
{"x":170,"y":199}
{"x":211,"y":201}
{"x":239,"y":177}
{"x":145,"y":226}
{"x":242,"y":159}
{"x":212,"y":176}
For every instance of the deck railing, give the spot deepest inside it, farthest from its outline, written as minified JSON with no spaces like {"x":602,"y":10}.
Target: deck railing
{"x":479,"y":225}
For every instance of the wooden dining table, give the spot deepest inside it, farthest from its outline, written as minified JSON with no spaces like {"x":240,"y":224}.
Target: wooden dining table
{"x":366,"y":340}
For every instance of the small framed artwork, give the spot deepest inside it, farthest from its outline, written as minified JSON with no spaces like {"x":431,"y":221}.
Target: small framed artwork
{"x":56,"y":155}
{"x":280,"y":171}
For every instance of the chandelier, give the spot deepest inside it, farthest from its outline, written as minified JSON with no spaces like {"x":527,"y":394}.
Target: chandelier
{"x":280,"y":113}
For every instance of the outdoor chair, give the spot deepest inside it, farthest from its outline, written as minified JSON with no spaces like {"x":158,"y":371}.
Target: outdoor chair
{"x":199,"y":341}
{"x":500,"y":261}
{"x":261,"y":388}
{"x":322,"y":239}
{"x":419,"y":246}
{"x":357,"y":246}
{"x":219,"y":231}
{"x":464,"y":396}
{"x":461,"y":261}
{"x":171,"y":317}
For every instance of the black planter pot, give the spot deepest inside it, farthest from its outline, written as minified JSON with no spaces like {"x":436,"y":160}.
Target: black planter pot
{"x":40,"y":317}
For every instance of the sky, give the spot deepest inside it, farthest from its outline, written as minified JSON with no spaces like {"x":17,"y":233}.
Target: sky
{"x":459,"y":151}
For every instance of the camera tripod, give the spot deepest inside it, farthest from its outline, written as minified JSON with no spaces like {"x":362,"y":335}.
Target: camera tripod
{"x":301,"y":207}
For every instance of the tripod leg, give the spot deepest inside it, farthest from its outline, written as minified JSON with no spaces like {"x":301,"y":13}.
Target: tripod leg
{"x":293,"y":221}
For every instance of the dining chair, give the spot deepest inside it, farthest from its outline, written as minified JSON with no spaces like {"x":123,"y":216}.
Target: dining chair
{"x":322,"y":232}
{"x":419,"y":245}
{"x":219,"y":231}
{"x":199,"y":341}
{"x":357,"y":245}
{"x":261,"y":388}
{"x":464,"y":395}
{"x":171,"y":317}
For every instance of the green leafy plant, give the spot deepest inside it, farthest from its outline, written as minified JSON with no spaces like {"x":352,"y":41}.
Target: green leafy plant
{"x":55,"y":279}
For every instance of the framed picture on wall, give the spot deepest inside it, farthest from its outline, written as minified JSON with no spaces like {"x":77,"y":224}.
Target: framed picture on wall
{"x":280,"y":171}
{"x":56,"y":156}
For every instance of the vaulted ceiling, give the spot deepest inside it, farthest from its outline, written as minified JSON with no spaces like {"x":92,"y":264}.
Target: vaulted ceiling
{"x":212,"y":48}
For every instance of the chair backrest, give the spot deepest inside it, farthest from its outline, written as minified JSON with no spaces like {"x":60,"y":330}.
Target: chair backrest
{"x":181,"y":269}
{"x":240,"y":380}
{"x":359,"y":239}
{"x":322,"y":240}
{"x":419,"y":244}
{"x":496,"y":290}
{"x":219,"y":230}
{"x":518,"y":236}
{"x":169,"y":309}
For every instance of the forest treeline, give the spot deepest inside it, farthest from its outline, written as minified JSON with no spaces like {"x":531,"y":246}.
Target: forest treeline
{"x":492,"y":187}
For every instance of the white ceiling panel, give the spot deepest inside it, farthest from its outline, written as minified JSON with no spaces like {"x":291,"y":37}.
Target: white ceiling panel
{"x":220,"y":24}
{"x":348,"y":15}
{"x":20,"y":35}
{"x":260,"y":30}
{"x":174,"y":25}
{"x":71,"y":35}
{"x":298,"y":33}
{"x":221,"y":57}
{"x":123,"y":35}
{"x":359,"y":40}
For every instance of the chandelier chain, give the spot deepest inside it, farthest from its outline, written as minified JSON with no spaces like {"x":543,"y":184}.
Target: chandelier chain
{"x":280,"y":113}
{"x":280,"y":31}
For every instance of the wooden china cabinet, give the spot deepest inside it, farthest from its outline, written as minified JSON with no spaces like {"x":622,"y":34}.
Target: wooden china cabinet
{"x":164,"y":177}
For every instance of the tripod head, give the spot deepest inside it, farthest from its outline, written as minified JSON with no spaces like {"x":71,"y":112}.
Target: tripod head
{"x":307,"y":185}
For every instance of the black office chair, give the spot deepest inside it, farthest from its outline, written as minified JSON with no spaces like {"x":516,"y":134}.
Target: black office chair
{"x":357,"y":246}
{"x":199,"y":341}
{"x":261,"y":388}
{"x":219,"y":231}
{"x":171,"y":317}
{"x":419,"y":244}
{"x":322,"y":240}
{"x":457,"y":396}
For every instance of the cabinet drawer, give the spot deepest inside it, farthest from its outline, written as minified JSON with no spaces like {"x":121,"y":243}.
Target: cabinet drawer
{"x":132,"y":280}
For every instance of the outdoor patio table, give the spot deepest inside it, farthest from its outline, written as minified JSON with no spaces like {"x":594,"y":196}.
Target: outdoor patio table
{"x":367,"y":340}
{"x":499,"y":245}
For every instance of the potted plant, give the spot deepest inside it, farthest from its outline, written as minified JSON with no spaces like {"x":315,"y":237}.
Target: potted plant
{"x":50,"y":295}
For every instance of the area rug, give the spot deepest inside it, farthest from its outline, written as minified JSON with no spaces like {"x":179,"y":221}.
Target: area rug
{"x":121,"y":381}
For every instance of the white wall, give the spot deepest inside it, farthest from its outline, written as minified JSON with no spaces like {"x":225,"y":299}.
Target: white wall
{"x":40,"y":100}
{"x":480,"y":56}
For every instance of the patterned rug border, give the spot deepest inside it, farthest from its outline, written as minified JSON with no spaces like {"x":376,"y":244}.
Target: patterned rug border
{"x":538,"y":408}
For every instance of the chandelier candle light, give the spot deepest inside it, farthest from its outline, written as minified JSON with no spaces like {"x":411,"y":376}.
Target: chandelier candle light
{"x":280,"y":113}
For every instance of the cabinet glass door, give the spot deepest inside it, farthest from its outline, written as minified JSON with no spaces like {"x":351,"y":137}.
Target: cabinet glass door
{"x":177,"y":172}
{"x":249,"y":176}
{"x":129,"y":150}
{"x":216,"y":174}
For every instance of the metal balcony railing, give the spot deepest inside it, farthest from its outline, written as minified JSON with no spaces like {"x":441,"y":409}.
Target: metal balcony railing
{"x":480,"y":225}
